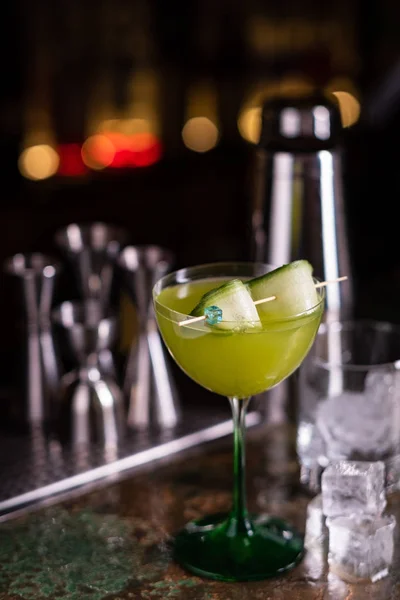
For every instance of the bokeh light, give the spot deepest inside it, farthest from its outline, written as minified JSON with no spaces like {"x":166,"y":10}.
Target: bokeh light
{"x":249,"y":124}
{"x":137,"y":150}
{"x":348,"y":99}
{"x":122,"y":143}
{"x":350,"y":108}
{"x":119,"y":150}
{"x":98,"y":152}
{"x":38,"y":162}
{"x":200,"y":134}
{"x":71,"y":163}
{"x":145,"y":149}
{"x":127,"y":126}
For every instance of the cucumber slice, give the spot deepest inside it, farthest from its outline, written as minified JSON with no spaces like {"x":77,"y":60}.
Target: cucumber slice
{"x":234,"y":299}
{"x":293,"y":286}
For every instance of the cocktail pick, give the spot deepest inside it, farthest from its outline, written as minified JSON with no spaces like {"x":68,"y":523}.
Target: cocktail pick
{"x":213,"y":314}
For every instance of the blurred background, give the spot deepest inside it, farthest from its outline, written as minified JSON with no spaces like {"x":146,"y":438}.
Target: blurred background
{"x":145,"y":113}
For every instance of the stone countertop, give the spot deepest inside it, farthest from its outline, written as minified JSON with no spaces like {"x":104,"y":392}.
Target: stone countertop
{"x":114,"y":542}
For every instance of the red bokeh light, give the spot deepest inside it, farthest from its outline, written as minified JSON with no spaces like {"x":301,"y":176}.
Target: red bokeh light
{"x":134,"y":150}
{"x":71,"y":163}
{"x":109,"y":150}
{"x":145,"y":149}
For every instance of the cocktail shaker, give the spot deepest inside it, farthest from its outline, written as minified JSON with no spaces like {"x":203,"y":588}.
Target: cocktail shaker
{"x":298,"y":205}
{"x":298,"y":209}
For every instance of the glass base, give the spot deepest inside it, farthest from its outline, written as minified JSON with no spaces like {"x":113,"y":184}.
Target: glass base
{"x":213,"y":547}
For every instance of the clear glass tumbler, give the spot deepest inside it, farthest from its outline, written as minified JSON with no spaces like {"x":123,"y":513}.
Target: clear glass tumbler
{"x":349,"y":399}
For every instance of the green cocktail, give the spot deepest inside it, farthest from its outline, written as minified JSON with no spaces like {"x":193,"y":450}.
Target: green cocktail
{"x":236,"y":359}
{"x":240,"y":364}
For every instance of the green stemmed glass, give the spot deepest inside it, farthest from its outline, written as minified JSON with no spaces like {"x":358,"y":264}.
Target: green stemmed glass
{"x":238,"y":363}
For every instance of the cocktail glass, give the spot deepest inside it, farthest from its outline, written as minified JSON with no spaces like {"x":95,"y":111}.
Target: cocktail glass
{"x":237,"y":362}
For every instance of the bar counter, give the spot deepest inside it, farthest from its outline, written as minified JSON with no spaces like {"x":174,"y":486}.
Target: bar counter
{"x":114,"y":542}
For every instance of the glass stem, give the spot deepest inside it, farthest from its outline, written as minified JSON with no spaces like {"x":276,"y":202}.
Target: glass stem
{"x":239,"y":522}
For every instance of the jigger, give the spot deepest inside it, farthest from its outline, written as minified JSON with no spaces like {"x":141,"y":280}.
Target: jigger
{"x":148,"y":382}
{"x":91,"y":408}
{"x":37,"y":274}
{"x":90,"y":249}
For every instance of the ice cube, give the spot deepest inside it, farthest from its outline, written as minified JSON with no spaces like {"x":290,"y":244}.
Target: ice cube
{"x":353,"y":488}
{"x":316,"y":531}
{"x":361,"y":548}
{"x":392,"y":467}
{"x":315,"y":539}
{"x":311,"y":447}
{"x":362,"y":425}
{"x":312,"y":455}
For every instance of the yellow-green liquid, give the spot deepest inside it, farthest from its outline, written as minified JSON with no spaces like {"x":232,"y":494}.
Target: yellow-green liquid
{"x":235,"y":363}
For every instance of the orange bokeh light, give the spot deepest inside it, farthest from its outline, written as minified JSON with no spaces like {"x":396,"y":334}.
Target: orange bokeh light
{"x":145,"y":149}
{"x":120,"y":150}
{"x":98,"y":152}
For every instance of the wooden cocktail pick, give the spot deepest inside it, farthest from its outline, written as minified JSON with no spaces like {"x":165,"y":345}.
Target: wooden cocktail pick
{"x":263,"y":300}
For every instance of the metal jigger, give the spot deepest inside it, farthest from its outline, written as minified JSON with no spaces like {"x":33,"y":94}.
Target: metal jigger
{"x":92,"y":404}
{"x":148,"y":383}
{"x":90,"y":249}
{"x":37,"y":274}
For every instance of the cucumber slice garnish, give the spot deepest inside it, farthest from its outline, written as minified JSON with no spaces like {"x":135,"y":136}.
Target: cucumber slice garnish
{"x":293,"y":286}
{"x":235,"y":301}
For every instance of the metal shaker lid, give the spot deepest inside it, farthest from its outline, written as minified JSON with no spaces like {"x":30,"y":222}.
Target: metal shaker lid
{"x":300,"y":124}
